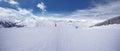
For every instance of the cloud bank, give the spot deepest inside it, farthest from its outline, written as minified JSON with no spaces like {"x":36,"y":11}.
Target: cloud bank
{"x":13,"y":2}
{"x":100,"y":11}
{"x":20,"y":13}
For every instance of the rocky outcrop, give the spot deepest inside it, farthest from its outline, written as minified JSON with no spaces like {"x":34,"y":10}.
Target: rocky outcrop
{"x":8,"y":24}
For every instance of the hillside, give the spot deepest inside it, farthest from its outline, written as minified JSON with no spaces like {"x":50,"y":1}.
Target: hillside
{"x":115,"y":20}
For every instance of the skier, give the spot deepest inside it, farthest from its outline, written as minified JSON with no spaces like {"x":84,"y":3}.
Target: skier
{"x":76,"y":27}
{"x":55,"y":25}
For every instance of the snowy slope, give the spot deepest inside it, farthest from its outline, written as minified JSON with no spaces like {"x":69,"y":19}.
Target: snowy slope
{"x":60,"y":38}
{"x":55,"y":34}
{"x":115,"y":20}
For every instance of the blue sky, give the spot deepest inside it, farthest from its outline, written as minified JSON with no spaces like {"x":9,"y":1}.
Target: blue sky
{"x":62,"y":7}
{"x":57,"y":6}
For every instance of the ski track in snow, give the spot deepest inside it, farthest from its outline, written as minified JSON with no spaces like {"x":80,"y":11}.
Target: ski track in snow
{"x":59,"y":39}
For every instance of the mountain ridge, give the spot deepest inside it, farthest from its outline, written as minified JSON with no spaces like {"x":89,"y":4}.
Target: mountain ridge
{"x":114,"y":20}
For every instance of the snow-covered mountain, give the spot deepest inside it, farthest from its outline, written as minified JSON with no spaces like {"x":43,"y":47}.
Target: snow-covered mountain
{"x":115,"y":20}
{"x":12,"y":21}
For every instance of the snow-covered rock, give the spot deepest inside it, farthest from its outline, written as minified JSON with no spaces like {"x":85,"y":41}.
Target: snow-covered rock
{"x":8,"y":22}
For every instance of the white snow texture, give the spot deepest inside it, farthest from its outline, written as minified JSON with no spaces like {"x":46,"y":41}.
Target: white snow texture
{"x":60,"y":36}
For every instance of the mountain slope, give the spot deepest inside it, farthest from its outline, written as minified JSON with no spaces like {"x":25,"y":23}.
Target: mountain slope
{"x":8,"y":22}
{"x":115,"y":20}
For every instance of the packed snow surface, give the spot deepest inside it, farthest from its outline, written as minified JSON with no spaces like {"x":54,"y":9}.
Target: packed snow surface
{"x":60,"y":36}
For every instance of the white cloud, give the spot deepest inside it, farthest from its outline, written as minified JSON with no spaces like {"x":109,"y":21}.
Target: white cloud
{"x":13,"y":2}
{"x":108,"y":10}
{"x":41,"y":6}
{"x":26,"y":12}
{"x":20,"y":13}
